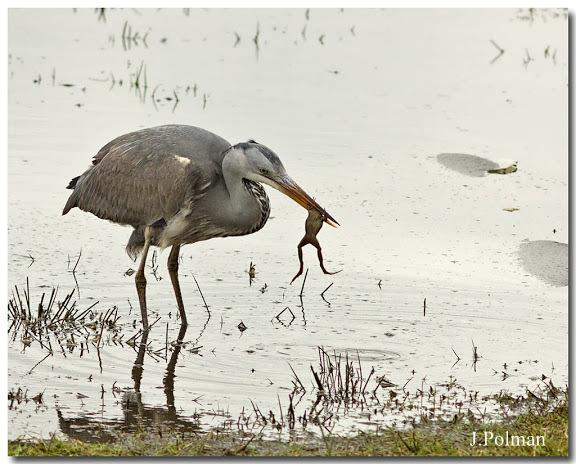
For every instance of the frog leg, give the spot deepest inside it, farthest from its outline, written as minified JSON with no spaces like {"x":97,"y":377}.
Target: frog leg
{"x":301,"y":259}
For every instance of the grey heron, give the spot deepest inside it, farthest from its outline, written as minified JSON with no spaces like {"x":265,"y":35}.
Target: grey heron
{"x":179,"y":184}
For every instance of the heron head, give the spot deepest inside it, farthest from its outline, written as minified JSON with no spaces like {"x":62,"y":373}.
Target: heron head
{"x":263,"y":165}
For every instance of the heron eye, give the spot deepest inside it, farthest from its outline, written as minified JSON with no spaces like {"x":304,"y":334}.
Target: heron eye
{"x":264,"y":171}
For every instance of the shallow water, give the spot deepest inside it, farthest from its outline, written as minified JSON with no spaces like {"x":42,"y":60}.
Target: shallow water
{"x":359,"y":120}
{"x":547,"y":260}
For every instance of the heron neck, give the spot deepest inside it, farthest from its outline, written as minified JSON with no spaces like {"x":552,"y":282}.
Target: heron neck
{"x":243,"y":208}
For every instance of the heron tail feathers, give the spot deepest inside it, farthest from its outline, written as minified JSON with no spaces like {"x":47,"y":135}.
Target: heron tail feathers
{"x":71,"y":203}
{"x":72,"y":183}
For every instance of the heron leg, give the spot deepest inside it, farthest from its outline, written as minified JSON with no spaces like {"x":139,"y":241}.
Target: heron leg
{"x":141,"y":280}
{"x":173,"y":271}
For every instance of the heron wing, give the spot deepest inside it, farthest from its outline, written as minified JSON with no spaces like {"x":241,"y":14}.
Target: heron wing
{"x":141,"y":177}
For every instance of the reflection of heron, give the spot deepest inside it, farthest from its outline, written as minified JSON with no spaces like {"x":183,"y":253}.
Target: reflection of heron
{"x":181,"y":184}
{"x":137,"y":415}
{"x":138,"y":369}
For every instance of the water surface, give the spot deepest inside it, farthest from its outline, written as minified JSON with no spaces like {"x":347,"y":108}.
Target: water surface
{"x":358,"y":104}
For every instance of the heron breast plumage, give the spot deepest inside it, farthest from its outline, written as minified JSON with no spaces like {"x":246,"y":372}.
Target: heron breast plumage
{"x":192,"y":225}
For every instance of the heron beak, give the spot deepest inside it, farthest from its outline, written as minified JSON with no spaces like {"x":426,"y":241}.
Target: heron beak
{"x":290,"y":188}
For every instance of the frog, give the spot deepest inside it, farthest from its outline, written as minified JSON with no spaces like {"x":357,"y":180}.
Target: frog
{"x":312,"y":227}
